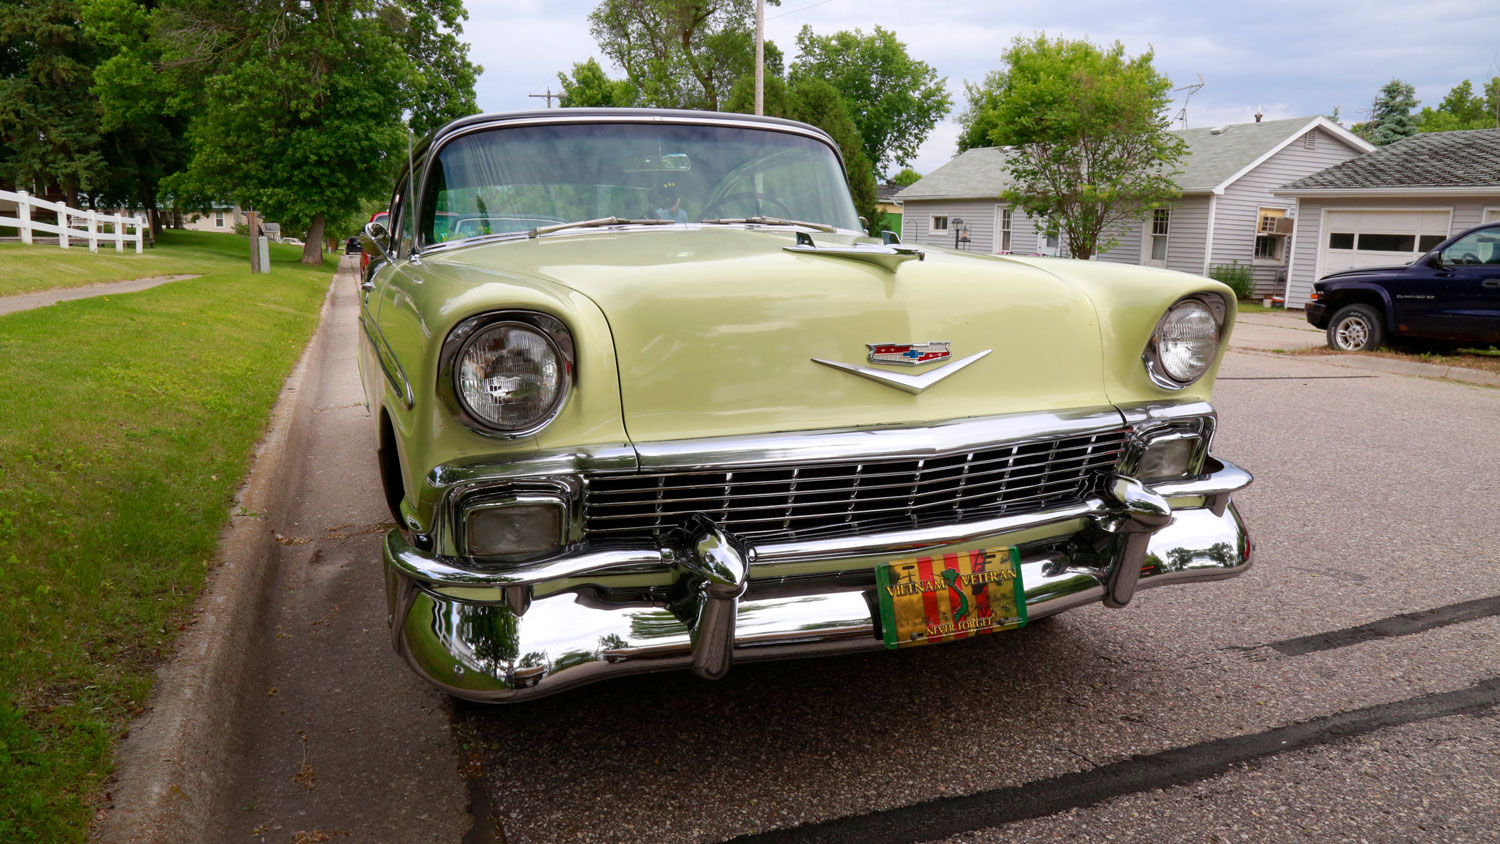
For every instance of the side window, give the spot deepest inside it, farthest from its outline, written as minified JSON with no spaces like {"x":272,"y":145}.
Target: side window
{"x":1481,"y":247}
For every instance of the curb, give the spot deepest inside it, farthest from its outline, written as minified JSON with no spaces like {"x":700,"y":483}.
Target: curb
{"x":1356,"y":360}
{"x":170,"y":768}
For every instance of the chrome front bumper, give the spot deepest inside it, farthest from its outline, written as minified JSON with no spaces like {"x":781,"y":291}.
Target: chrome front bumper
{"x":704,"y":599}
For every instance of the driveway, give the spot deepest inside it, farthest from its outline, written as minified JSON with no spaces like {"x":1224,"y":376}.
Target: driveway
{"x":1275,"y":331}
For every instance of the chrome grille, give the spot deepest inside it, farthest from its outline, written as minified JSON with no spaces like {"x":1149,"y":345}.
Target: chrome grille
{"x":770,"y":503}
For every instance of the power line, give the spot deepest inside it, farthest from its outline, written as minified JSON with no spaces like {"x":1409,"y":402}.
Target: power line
{"x":798,"y":9}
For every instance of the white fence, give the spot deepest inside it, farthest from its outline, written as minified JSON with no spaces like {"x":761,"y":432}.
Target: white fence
{"x":93,"y":222}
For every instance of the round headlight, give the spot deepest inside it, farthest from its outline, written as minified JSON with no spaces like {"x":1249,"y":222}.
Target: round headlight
{"x":1186,"y":341}
{"x":510,"y":376}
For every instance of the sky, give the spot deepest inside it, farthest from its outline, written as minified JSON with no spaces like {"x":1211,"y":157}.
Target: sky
{"x":1289,"y":59}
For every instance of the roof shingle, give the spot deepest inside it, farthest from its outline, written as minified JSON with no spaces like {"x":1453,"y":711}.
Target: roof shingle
{"x":1210,"y":160}
{"x":1462,"y":159}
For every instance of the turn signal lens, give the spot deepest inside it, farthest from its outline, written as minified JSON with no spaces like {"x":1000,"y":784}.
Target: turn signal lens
{"x":1168,"y":457}
{"x":523,"y":526}
{"x":510,"y":376}
{"x":1186,"y":341}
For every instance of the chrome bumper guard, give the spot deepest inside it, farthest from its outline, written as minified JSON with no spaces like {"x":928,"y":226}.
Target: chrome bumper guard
{"x":485,"y":635}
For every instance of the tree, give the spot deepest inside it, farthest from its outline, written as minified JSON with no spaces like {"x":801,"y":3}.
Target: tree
{"x":49,"y":121}
{"x":589,"y":86}
{"x":906,"y":178}
{"x":816,"y":102}
{"x":1088,"y":133}
{"x":300,"y":105}
{"x":895,"y":100}
{"x":1464,"y":109}
{"x":1390,"y":115}
{"x":679,"y":53}
{"x":978,"y":119}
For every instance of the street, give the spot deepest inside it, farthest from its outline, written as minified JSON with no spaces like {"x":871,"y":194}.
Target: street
{"x":1192,"y":715}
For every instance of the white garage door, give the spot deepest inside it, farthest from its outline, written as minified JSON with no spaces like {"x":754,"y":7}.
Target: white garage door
{"x":1354,"y":239}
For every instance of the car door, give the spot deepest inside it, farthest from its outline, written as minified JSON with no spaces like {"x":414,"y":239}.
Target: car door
{"x":1470,"y":266}
{"x":373,"y":357}
{"x":1418,"y":295}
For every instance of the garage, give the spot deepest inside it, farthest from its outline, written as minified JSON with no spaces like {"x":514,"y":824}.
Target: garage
{"x":1373,"y":238}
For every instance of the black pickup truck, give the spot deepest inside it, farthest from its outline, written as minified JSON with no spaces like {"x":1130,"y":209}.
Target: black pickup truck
{"x":1451,"y":294}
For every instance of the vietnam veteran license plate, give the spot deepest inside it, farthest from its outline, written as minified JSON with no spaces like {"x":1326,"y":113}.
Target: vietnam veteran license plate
{"x":950,"y":596}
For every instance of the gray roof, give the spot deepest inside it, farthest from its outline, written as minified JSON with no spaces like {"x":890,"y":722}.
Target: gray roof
{"x":1210,"y":160}
{"x":1467,"y":159}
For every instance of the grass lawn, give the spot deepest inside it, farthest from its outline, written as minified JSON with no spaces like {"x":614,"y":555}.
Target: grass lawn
{"x":1247,"y":306}
{"x":126,"y":426}
{"x":27,"y":269}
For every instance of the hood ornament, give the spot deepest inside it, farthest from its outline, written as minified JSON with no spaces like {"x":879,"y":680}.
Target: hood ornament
{"x":887,"y":256}
{"x":909,"y":383}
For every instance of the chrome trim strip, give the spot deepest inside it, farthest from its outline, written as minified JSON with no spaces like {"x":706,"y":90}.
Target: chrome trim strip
{"x":388,"y":363}
{"x":851,"y":445}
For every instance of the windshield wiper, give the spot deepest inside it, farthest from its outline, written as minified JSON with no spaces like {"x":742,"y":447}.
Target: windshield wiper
{"x":772,"y":221}
{"x":593,"y":224}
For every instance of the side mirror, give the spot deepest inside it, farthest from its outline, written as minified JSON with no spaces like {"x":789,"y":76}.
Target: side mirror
{"x":1433,"y":260}
{"x":372,"y":241}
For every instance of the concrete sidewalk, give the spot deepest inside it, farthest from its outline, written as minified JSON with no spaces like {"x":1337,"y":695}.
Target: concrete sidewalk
{"x":28,"y":301}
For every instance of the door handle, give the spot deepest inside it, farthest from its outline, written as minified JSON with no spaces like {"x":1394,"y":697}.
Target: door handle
{"x":1492,"y":282}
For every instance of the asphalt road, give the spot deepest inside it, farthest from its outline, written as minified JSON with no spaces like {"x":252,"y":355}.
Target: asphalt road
{"x":1199,"y":713}
{"x":1347,"y":688}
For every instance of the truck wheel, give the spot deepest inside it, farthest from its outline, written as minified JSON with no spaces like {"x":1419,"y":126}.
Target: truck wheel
{"x":1356,"y":328}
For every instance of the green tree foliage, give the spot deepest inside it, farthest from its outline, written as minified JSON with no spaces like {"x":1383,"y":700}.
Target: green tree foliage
{"x":1390,"y":115}
{"x":678,"y":53}
{"x":1089,"y":138}
{"x":588,"y":86}
{"x":49,"y":121}
{"x":145,"y":140}
{"x":895,"y":100}
{"x":816,"y":102}
{"x":906,"y":178}
{"x":1464,"y":109}
{"x":299,"y":107}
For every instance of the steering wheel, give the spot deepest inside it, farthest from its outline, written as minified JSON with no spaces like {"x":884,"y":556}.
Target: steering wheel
{"x":1468,"y":258}
{"x":758,"y":197}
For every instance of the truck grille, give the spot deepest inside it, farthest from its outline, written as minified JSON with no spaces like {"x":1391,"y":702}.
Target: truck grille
{"x":772,"y":503}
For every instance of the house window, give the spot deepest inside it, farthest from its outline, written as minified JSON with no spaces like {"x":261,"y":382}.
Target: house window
{"x":1271,"y":226}
{"x":1005,"y":218}
{"x":1341,"y":240}
{"x":1161,"y":226}
{"x":218,"y":219}
{"x":1311,"y":140}
{"x":940,"y":223}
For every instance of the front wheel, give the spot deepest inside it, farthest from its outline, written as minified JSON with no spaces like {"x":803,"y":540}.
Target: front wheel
{"x":1356,"y":328}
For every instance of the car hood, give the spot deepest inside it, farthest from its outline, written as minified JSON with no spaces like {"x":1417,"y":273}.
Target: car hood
{"x":1362,"y":272}
{"x":716,"y":330}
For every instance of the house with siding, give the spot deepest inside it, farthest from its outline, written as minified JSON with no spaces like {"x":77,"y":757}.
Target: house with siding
{"x":1225,"y":213}
{"x":1391,"y":206}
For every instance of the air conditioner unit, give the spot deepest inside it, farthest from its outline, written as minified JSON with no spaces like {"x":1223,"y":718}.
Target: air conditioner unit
{"x":1284,"y":225}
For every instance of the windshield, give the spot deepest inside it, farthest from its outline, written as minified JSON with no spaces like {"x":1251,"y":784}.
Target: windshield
{"x":507,"y":180}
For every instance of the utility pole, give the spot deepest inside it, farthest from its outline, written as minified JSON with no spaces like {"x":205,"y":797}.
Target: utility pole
{"x":252,"y":218}
{"x":760,"y":56}
{"x":549,"y":95}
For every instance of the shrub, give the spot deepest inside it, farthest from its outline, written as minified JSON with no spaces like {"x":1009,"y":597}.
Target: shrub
{"x":1238,"y":276}
{"x":242,"y":229}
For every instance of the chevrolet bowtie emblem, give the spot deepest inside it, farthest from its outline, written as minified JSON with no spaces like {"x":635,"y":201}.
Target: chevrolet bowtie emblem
{"x":910,"y":353}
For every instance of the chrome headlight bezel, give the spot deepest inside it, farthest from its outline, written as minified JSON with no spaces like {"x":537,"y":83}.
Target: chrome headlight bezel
{"x":1218,"y":309}
{"x":549,"y":327}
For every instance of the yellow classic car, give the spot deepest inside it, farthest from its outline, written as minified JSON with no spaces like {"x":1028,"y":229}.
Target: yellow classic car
{"x":648,"y":398}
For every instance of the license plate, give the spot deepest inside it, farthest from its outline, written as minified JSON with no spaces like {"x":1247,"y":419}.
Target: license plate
{"x":950,"y":596}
